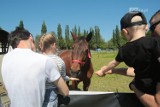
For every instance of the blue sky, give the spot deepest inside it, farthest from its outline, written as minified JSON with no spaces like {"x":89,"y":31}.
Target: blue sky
{"x":83,"y":13}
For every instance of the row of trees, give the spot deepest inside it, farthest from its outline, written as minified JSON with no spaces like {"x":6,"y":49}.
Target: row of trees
{"x":65,"y":41}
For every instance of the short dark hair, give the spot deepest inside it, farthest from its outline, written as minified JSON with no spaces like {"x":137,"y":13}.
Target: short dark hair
{"x":126,"y":19}
{"x":17,"y":35}
{"x":155,"y":17}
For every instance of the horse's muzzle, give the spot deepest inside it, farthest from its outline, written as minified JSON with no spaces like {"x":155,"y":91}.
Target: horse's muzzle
{"x":75,"y":74}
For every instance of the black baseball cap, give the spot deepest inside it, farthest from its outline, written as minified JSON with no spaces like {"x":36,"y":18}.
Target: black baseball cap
{"x":126,"y":19}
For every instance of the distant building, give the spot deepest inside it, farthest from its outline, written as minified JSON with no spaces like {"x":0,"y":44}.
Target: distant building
{"x":98,"y":49}
{"x":4,"y":45}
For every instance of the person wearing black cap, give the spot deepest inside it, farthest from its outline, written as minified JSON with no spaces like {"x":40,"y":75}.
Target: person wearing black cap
{"x":141,"y":53}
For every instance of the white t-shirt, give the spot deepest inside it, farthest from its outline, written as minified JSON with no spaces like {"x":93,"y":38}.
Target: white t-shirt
{"x":24,"y":74}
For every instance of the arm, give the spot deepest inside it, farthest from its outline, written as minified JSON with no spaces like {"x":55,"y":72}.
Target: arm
{"x":122,"y":71}
{"x":107,"y":68}
{"x":147,"y":99}
{"x":62,"y":87}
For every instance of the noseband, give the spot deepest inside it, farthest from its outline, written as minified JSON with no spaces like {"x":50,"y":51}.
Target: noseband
{"x":78,"y":61}
{"x":82,"y":62}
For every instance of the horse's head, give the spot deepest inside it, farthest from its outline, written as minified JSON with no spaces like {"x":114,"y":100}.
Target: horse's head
{"x":80,"y":53}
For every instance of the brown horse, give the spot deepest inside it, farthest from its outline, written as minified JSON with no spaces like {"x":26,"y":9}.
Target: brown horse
{"x":78,"y":61}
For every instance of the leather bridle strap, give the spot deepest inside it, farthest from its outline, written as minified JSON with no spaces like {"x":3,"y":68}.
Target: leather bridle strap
{"x":78,"y":61}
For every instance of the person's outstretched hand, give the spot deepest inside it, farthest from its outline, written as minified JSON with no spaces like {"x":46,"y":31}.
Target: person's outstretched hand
{"x":100,"y":73}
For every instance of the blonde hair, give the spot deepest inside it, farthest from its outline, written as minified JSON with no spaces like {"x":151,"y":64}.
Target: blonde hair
{"x":46,"y":40}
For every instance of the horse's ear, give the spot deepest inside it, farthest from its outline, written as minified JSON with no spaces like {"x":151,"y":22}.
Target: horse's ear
{"x":89,"y":37}
{"x":74,"y":36}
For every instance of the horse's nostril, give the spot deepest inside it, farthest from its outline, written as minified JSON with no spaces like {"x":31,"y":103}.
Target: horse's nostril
{"x":75,"y":74}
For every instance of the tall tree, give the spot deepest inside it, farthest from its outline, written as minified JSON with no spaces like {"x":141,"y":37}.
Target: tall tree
{"x":79,"y":31}
{"x":114,"y":38}
{"x":84,"y":32}
{"x":67,"y":37}
{"x":97,"y":36}
{"x":44,"y":28}
{"x":117,"y":39}
{"x":37,"y":43}
{"x":21,"y":24}
{"x":92,"y":43}
{"x":61,"y":42}
{"x":117,"y":36}
{"x":75,"y":30}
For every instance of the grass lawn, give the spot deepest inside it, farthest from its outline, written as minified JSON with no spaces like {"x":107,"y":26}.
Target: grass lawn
{"x":109,"y":83}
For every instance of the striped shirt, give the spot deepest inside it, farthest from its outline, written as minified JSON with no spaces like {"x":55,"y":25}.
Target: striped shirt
{"x":62,"y":69}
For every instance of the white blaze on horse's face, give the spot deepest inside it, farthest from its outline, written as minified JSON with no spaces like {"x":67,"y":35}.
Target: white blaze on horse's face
{"x":79,"y":53}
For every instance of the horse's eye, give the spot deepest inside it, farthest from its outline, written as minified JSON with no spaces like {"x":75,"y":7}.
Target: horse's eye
{"x":85,"y":55}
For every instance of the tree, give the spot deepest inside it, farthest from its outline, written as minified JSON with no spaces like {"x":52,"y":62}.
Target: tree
{"x":37,"y":37}
{"x":114,"y":39}
{"x":97,"y":36}
{"x":44,"y":28}
{"x":117,"y":36}
{"x":117,"y":39}
{"x":92,"y":43}
{"x":61,"y":42}
{"x":75,"y":30}
{"x":85,"y":33}
{"x":79,"y":31}
{"x":67,"y":37}
{"x":21,"y":24}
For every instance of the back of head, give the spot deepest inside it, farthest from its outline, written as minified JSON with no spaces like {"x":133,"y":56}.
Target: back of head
{"x":46,"y":40}
{"x":17,"y":35}
{"x":155,"y":18}
{"x":139,"y":26}
{"x":133,"y":18}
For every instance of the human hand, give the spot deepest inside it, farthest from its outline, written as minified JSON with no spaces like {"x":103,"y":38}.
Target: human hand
{"x":100,"y":73}
{"x":63,"y":100}
{"x":108,"y":72}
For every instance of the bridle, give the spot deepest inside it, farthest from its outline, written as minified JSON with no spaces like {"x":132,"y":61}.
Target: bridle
{"x":78,"y":61}
{"x":81,"y":62}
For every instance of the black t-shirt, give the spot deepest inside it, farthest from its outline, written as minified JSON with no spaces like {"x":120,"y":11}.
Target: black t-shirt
{"x":142,"y":54}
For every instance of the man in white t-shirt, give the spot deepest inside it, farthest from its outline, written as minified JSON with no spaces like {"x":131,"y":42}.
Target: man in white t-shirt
{"x":25,"y":72}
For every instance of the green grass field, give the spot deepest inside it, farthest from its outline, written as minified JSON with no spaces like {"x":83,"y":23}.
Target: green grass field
{"x":109,"y":83}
